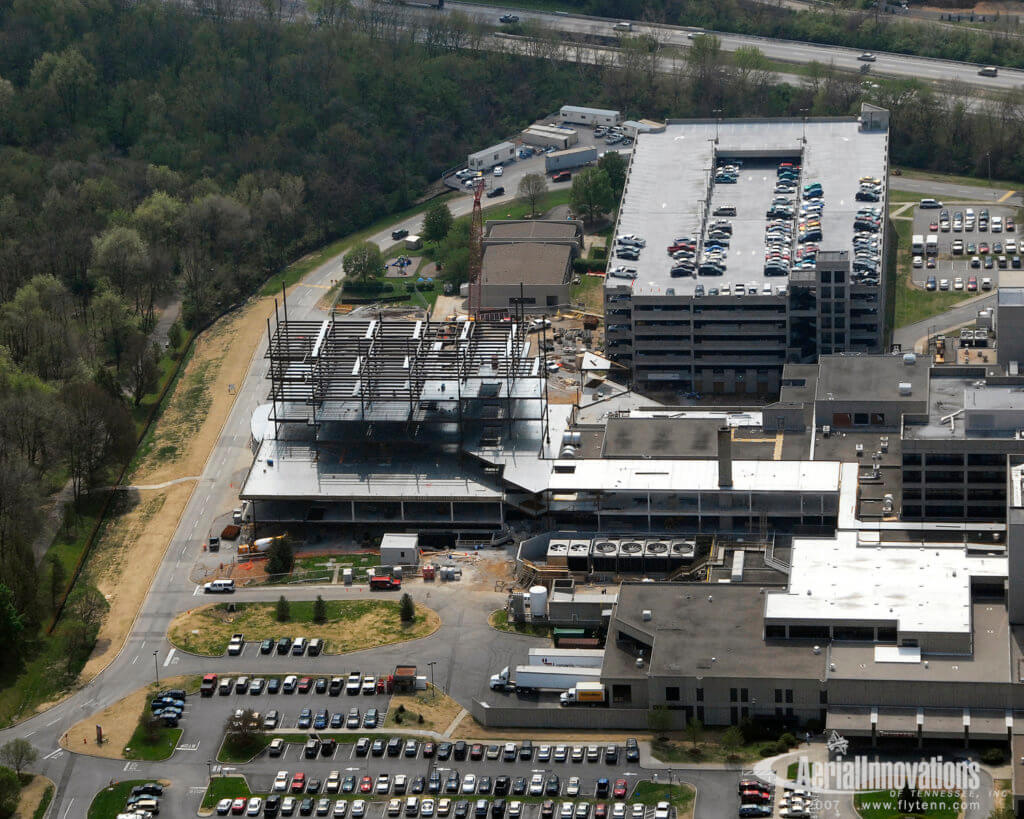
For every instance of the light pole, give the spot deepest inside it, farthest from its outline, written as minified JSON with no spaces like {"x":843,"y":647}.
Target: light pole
{"x":803,"y":129}
{"x":988,"y":156}
{"x":156,"y":665}
{"x":433,"y":691}
{"x":718,"y":121}
{"x":209,"y":769}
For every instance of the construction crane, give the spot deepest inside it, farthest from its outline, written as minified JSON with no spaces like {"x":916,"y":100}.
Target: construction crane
{"x":476,"y":250}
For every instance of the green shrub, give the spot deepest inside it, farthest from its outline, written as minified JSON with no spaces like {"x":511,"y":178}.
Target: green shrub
{"x":993,"y":756}
{"x":585,"y":266}
{"x":788,"y":740}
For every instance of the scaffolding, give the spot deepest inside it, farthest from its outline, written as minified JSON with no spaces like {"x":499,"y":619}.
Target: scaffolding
{"x":398,"y":372}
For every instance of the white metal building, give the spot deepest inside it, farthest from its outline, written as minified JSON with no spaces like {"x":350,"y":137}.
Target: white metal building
{"x":489,"y":157}
{"x":544,"y":135}
{"x":590,"y":116}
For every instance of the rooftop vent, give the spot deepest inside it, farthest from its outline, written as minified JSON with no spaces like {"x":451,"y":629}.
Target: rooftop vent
{"x":646,"y":615}
{"x":817,"y":649}
{"x":905,"y":387}
{"x":639,"y":662}
{"x":909,"y":359}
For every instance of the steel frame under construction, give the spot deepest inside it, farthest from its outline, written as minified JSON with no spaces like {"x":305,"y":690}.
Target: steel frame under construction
{"x":396,"y":371}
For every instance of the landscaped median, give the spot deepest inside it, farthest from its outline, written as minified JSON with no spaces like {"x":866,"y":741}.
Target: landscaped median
{"x":127,"y":732}
{"x":679,"y":794}
{"x":350,"y":625}
{"x":109,"y":802}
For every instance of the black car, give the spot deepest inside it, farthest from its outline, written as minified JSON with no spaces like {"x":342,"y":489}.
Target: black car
{"x":519,"y":785}
{"x":362,"y":746}
{"x":509,"y":18}
{"x":149,"y":789}
{"x":460,"y":750}
{"x":494,"y":192}
{"x":484,"y":785}
{"x":401,"y":233}
{"x":498,"y":809}
{"x":284,"y":645}
{"x":335,"y":687}
{"x":394,"y":746}
{"x":547,"y":809}
{"x":417,"y":785}
{"x":273,"y":685}
{"x":552,"y":786}
{"x":312,"y":786}
{"x":501,"y":785}
{"x":321,"y":685}
{"x":272,"y":805}
{"x":611,"y":754}
{"x":266,"y":646}
{"x":377,"y":748}
{"x":461,"y":809}
{"x":327,"y":747}
{"x":444,"y":750}
{"x":306,"y":807}
{"x":434,"y":782}
{"x":451,"y":784}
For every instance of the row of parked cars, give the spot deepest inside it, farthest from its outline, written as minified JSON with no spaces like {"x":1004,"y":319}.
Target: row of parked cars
{"x":613,"y":136}
{"x":354,"y":683}
{"x":168,"y":706}
{"x":296,"y":646}
{"x":412,"y":807}
{"x":143,"y":801}
{"x":755,"y":798}
{"x":781,"y":220}
{"x":628,"y":246}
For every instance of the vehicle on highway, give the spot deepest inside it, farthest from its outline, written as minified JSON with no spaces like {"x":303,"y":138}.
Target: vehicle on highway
{"x":401,"y":233}
{"x":867,"y":57}
{"x":508,"y":18}
{"x":988,"y":71}
{"x":928,"y":203}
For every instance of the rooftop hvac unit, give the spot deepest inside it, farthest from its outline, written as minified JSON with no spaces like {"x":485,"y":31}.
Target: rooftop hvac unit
{"x":826,"y":431}
{"x":909,"y":358}
{"x":646,"y":615}
{"x":905,"y":387}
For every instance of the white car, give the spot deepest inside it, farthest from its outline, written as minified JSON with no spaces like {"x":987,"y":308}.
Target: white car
{"x":254,"y":807}
{"x":224,"y":807}
{"x":394,"y":807}
{"x":638,"y":810}
{"x":427,"y":808}
{"x":444,"y":806}
{"x":943,"y":284}
{"x":469,"y":783}
{"x":572,"y":787}
{"x":918,"y":261}
{"x":566,"y":811}
{"x":358,"y":809}
{"x":340,"y":808}
{"x":958,"y":283}
{"x":333,"y":782}
{"x":499,"y":171}
{"x":663,"y":810}
{"x":281,"y":781}
{"x":537,"y":785}
{"x":515,"y":810}
{"x":619,"y":810}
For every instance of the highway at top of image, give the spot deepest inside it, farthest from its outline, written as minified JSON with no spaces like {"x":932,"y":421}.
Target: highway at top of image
{"x":895,"y":65}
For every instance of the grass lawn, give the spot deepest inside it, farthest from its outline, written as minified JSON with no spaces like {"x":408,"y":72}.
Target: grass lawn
{"x":978,"y":182}
{"x":518,"y":209}
{"x":499,"y":620}
{"x":109,"y":802}
{"x":351,"y":625}
{"x":44,"y":803}
{"x":299,"y":268}
{"x":883,"y":804}
{"x":159,"y":748}
{"x":709,"y":749}
{"x":913,"y":303}
{"x":223,"y":787}
{"x":679,"y":794}
{"x":590,"y":291}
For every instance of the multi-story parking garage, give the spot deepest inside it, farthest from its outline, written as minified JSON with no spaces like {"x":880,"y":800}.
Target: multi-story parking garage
{"x":731,"y":331}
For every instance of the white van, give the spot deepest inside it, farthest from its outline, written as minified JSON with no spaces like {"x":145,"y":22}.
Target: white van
{"x":219,"y":587}
{"x":988,"y":71}
{"x":623,"y":26}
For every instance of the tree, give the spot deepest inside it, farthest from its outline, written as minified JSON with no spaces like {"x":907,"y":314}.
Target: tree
{"x":732,"y":739}
{"x":142,"y":366}
{"x":121,"y":256}
{"x":363,"y":262}
{"x":407,"y":609}
{"x":591,"y":195}
{"x":659,"y":720}
{"x":319,"y":610}
{"x":243,"y":731}
{"x":283,"y":610}
{"x":87,"y":605}
{"x":695,"y":731}
{"x":12,"y":621}
{"x":613,"y":164}
{"x":531,"y":188}
{"x":280,"y":557}
{"x":10,"y":792}
{"x":77,"y":640}
{"x":94,"y":431}
{"x":437,"y":222}
{"x":58,"y":580}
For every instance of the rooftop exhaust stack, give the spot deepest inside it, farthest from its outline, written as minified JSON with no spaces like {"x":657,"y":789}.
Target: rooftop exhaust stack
{"x":724,"y":457}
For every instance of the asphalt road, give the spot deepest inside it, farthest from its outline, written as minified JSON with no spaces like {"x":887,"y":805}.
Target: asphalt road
{"x":894,"y":65}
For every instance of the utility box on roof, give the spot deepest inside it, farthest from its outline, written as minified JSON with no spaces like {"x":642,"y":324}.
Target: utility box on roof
{"x":400,"y":550}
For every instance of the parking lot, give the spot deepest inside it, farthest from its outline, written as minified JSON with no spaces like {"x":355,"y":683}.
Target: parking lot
{"x":983,"y":254}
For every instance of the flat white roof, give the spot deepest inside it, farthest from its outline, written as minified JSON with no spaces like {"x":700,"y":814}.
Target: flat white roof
{"x":689,"y":476}
{"x":921,"y":588}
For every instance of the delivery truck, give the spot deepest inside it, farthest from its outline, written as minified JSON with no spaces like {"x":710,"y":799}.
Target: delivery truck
{"x":585,"y":693}
{"x":576,"y":657}
{"x":526,"y":679}
{"x":572,"y":158}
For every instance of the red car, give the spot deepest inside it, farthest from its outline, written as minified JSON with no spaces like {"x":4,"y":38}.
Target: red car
{"x":238,"y":806}
{"x":934,"y":227}
{"x":619,"y":791}
{"x":477,"y":751}
{"x":429,"y":748}
{"x":366,"y":784}
{"x":1009,"y":224}
{"x":298,"y":783}
{"x":600,"y":811}
{"x":305,"y":684}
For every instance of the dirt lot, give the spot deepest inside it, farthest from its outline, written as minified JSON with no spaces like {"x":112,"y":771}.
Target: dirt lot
{"x":118,"y":721}
{"x":182,"y":442}
{"x":30,"y":797}
{"x":360,"y":624}
{"x":437,"y":710}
